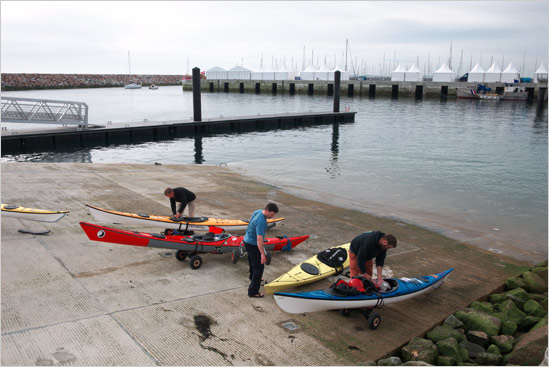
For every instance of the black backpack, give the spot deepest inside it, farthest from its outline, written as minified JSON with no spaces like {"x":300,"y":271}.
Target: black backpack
{"x":333,"y":257}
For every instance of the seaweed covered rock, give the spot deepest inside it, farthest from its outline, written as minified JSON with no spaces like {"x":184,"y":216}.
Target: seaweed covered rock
{"x":492,"y":348}
{"x":528,"y":322}
{"x":541,"y":323}
{"x":489,"y":359}
{"x":419,"y":349}
{"x":503,"y":342}
{"x":479,"y":321}
{"x":509,"y":327}
{"x":453,"y":322}
{"x":478,"y":337}
{"x":446,"y":361}
{"x":391,"y":361}
{"x":473,"y":349}
{"x":519,"y":296}
{"x":450,"y":348}
{"x":510,"y":311}
{"x":529,"y":348}
{"x":533,"y":308}
{"x":482,"y":306}
{"x":498,"y":298}
{"x":416,"y":363}
{"x":444,"y":332}
{"x":514,"y":283}
{"x":536,"y":283}
{"x":540,"y":271}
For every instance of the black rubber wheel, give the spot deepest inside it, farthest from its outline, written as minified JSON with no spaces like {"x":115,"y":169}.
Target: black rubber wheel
{"x":268,"y":256}
{"x":234,"y":257}
{"x":374,"y":320}
{"x":181,"y":255}
{"x":345,"y":312}
{"x":196,"y":262}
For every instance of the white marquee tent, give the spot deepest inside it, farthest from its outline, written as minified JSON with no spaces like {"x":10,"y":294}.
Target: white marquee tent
{"x":308,"y":73}
{"x":444,"y":74}
{"x":493,"y":74}
{"x":216,"y":72}
{"x":324,"y":72}
{"x":258,"y":74}
{"x":398,"y":74}
{"x":283,"y":73}
{"x":344,"y":74}
{"x":476,"y":74}
{"x":510,"y":74}
{"x":239,"y":72}
{"x":413,"y":74}
{"x":541,"y":74}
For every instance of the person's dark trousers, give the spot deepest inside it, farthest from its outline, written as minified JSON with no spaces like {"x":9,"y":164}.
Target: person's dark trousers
{"x":256,"y":269}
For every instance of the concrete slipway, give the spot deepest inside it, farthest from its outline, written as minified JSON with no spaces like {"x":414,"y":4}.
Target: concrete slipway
{"x":70,"y":301}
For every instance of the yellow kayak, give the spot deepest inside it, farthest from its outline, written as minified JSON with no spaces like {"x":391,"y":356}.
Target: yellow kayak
{"x":183,"y":223}
{"x":309,"y":271}
{"x":40,"y":215}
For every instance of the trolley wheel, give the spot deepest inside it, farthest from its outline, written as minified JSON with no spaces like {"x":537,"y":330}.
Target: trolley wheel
{"x":196,"y":262}
{"x":268,"y":256}
{"x":345,"y":312}
{"x":234,"y":256}
{"x":374,"y":320}
{"x":181,"y":255}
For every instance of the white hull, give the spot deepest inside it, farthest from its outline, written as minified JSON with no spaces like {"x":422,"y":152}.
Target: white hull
{"x":133,"y":86}
{"x":38,"y":217}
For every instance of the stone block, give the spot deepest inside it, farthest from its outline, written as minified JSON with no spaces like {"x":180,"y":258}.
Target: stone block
{"x":503,"y":342}
{"x":535,"y":282}
{"x":479,"y":321}
{"x":444,"y":332}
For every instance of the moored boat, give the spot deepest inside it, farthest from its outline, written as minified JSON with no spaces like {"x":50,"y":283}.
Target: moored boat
{"x":186,"y":245}
{"x":514,"y":93}
{"x":183,"y":223}
{"x":399,"y":289}
{"x":480,"y":92}
{"x":39,"y":215}
{"x":311,"y":270}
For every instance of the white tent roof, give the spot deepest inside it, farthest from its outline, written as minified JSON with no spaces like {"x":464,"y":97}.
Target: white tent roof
{"x":477,"y":69}
{"x":311,"y":68}
{"x":444,"y":69}
{"x":511,"y":69}
{"x":399,"y":69}
{"x":414,"y":69}
{"x":216,"y":68}
{"x":541,"y":70}
{"x":239,"y":68}
{"x":324,"y":68}
{"x":494,"y":69}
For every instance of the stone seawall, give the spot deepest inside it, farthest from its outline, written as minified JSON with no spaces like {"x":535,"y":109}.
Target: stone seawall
{"x":63,"y":81}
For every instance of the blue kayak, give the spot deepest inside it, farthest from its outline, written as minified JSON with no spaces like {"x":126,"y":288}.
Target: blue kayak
{"x":399,"y":289}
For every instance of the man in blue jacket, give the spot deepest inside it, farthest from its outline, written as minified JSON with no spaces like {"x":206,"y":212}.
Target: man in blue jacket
{"x":253,"y":240}
{"x":364,"y":248}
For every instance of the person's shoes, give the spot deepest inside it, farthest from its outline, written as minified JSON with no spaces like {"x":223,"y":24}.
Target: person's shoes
{"x":259,"y":295}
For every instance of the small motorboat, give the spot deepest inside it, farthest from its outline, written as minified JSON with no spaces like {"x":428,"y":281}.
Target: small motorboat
{"x":152,"y":86}
{"x":132,"y":85}
{"x":187,"y":246}
{"x":39,"y":215}
{"x":182,"y":223}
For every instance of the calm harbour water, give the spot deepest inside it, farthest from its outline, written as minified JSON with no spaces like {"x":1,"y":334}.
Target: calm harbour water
{"x":473,"y":170}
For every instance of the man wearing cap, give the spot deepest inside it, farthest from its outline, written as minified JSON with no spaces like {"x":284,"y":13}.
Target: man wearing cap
{"x":364,"y":248}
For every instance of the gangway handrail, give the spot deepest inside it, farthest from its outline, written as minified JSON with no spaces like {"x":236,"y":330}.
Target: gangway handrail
{"x":44,"y":111}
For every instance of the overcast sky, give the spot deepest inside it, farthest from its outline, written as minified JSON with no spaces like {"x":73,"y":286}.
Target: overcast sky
{"x":173,"y":37}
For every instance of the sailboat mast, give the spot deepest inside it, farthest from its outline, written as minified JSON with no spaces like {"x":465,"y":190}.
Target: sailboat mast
{"x":129,"y":66}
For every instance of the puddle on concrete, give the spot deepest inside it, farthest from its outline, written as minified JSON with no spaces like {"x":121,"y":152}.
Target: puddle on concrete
{"x":203,"y":324}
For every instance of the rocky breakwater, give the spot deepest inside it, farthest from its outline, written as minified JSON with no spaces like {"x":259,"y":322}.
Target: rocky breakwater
{"x":508,"y":328}
{"x":12,"y":82}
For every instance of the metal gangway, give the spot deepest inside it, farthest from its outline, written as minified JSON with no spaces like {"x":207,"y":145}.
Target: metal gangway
{"x":44,"y":111}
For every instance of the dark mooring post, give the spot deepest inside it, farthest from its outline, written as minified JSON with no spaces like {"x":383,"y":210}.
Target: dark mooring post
{"x":196,"y":95}
{"x":337,"y":87}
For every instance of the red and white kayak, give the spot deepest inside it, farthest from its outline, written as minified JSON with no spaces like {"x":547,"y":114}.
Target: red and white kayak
{"x":186,"y":245}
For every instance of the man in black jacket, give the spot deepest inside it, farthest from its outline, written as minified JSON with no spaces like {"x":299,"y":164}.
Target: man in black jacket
{"x":182,"y":196}
{"x":364,"y":248}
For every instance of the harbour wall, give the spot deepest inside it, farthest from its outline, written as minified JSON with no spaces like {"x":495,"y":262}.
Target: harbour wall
{"x":11,"y":82}
{"x":350,"y":88}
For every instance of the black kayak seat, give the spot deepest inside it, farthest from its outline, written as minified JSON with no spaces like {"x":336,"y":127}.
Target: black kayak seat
{"x":211,"y":237}
{"x":310,"y":268}
{"x":143,"y":215}
{"x":11,"y":207}
{"x":189,"y":219}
